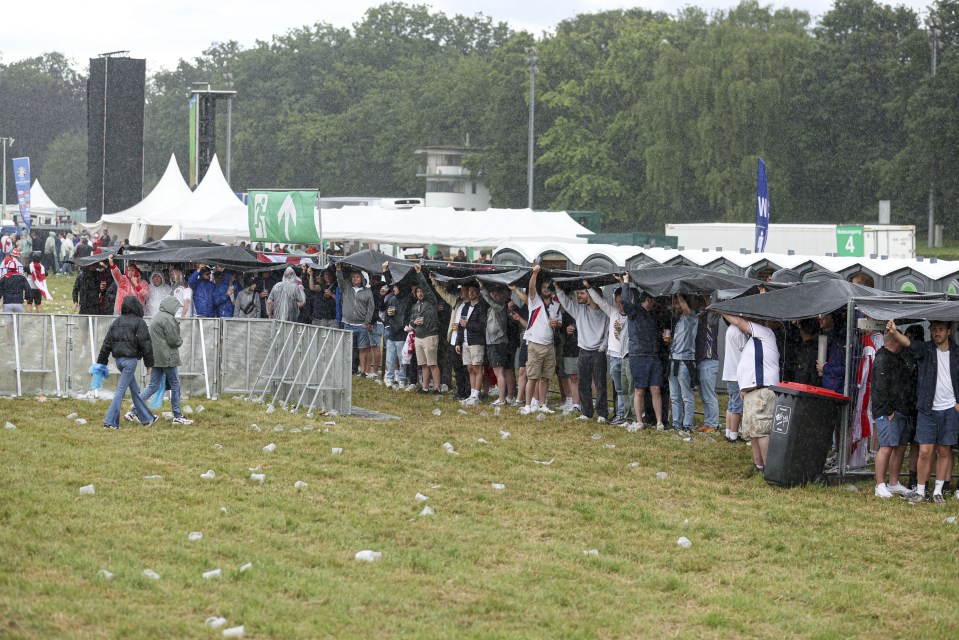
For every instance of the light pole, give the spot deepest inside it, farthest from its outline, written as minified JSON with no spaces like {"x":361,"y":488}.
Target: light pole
{"x":229,"y":125}
{"x":6,"y":142}
{"x":935,"y":30}
{"x":532,"y":60}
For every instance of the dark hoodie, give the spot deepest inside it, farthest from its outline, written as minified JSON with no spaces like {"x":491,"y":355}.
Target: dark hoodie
{"x":86,"y":290}
{"x":129,"y":336}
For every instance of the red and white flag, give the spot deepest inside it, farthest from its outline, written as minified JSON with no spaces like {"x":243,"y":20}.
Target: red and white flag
{"x":39,"y":275}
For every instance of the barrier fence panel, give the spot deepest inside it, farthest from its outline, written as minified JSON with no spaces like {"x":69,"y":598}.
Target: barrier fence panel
{"x":296,"y":365}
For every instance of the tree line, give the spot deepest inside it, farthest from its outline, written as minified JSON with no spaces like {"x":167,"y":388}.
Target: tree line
{"x":644,"y":116}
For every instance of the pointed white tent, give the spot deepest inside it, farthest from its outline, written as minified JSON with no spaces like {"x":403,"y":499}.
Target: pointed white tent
{"x":42,"y":208}
{"x":171,"y":191}
{"x":213,"y":194}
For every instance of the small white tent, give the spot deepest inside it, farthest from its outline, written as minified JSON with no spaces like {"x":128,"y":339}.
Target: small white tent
{"x":43,"y":210}
{"x":170,"y":192}
{"x":212,"y":195}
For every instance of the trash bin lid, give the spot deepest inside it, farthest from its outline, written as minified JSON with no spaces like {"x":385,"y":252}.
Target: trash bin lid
{"x":794,"y":388}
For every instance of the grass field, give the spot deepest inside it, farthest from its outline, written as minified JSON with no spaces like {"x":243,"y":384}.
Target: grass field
{"x":802,"y":563}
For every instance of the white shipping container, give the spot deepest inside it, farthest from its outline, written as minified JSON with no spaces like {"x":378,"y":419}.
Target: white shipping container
{"x":894,"y":241}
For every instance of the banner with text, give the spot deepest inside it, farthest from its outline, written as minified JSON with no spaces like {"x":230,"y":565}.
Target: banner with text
{"x":849,"y":241}
{"x":21,"y":175}
{"x":284,"y":216}
{"x":762,"y":209}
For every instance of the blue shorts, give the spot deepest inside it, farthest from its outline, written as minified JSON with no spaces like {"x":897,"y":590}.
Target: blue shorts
{"x":521,"y":355}
{"x":376,"y":335}
{"x":938,"y":427}
{"x":361,"y":336}
{"x":647,"y":371}
{"x":735,"y":403}
{"x":892,"y":433}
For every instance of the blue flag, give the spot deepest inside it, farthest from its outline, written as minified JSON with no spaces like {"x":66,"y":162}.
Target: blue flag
{"x":21,"y":175}
{"x":762,"y":209}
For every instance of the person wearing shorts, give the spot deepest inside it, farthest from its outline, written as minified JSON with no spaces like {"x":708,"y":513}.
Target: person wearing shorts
{"x":425,"y":324}
{"x":471,"y":340}
{"x":541,"y":357}
{"x":759,"y":401}
{"x":497,"y":342}
{"x":889,"y":408}
{"x":645,"y":366}
{"x":735,"y":343}
{"x":937,"y":391}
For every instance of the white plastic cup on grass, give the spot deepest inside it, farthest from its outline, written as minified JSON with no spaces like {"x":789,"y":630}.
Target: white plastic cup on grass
{"x":87,"y":490}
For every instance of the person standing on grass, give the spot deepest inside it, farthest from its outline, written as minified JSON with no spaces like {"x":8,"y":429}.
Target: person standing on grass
{"x":645,"y":364}
{"x":889,"y":411}
{"x":540,"y":357}
{"x":471,"y":341}
{"x":128,"y":340}
{"x":707,"y":363}
{"x":617,"y":345}
{"x":735,"y":343}
{"x":682,"y":364}
{"x":424,"y":323}
{"x":592,"y":334}
{"x":497,"y":342}
{"x":166,"y":341}
{"x":14,"y":288}
{"x":758,"y":369}
{"x":358,"y":309}
{"x":937,"y":391}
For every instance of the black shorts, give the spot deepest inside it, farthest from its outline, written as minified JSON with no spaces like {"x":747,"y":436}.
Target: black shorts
{"x":34,"y":297}
{"x":499,"y":355}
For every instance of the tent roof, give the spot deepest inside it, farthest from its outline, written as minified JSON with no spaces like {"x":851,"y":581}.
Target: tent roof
{"x":418,"y":226}
{"x":211,"y":195}
{"x":576,"y":252}
{"x":797,"y":302}
{"x":39,"y":200}
{"x":171,"y":191}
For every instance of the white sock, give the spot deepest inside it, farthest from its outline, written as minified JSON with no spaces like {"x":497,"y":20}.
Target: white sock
{"x":533,"y":403}
{"x":569,"y":401}
{"x":938,"y":490}
{"x":474,"y":393}
{"x":734,"y":435}
{"x":921,"y":489}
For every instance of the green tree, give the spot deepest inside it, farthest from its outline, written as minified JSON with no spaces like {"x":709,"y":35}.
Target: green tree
{"x":64,"y":170}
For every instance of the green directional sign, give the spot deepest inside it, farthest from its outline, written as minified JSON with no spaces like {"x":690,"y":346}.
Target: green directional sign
{"x":849,"y":241}
{"x":283,"y":216}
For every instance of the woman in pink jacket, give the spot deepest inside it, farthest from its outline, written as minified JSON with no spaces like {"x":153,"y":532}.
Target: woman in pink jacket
{"x":128,"y":285}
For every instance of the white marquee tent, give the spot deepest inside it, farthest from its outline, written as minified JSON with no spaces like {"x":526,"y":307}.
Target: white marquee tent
{"x":418,"y":226}
{"x":170,"y":192}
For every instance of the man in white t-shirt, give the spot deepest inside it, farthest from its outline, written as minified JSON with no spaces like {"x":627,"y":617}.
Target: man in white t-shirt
{"x":541,"y":358}
{"x":758,"y":369}
{"x":937,"y":401}
{"x":182,"y":293}
{"x":735,"y":343}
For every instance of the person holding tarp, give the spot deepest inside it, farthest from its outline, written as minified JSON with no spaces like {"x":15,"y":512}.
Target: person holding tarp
{"x":128,"y":284}
{"x":758,"y":369}
{"x":645,"y":341}
{"x":166,"y":341}
{"x":937,"y":400}
{"x":889,"y":408}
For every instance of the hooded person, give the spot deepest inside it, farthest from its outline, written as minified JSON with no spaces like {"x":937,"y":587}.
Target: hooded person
{"x":159,"y":290}
{"x":14,"y":287}
{"x":86,"y":289}
{"x":128,"y":340}
{"x":128,"y":284}
{"x":286,"y":297}
{"x":224,"y":294}
{"x":247,"y":303}
{"x":166,"y":340}
{"x":201,"y":281}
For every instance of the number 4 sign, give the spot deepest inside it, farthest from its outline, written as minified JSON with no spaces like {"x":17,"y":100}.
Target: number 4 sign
{"x":849,"y":241}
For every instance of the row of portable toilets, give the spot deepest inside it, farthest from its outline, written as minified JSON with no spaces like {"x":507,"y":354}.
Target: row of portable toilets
{"x":919,"y":275}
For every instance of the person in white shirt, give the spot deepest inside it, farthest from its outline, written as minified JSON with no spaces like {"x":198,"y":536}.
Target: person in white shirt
{"x":541,"y":358}
{"x":617,"y":346}
{"x":758,"y":369}
{"x":735,"y":343}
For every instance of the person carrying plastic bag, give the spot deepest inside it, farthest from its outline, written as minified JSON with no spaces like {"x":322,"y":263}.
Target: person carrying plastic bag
{"x":128,"y":340}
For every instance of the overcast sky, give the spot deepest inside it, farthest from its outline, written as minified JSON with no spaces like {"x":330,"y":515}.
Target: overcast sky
{"x":163,"y":32}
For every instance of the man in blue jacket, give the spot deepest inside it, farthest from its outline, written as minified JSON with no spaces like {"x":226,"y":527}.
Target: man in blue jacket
{"x":202,"y":284}
{"x":224,"y":294}
{"x":937,"y":399}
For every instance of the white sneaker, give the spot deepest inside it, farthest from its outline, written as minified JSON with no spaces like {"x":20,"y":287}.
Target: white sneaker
{"x":882,"y":492}
{"x":601,"y":420}
{"x":582,"y":417}
{"x":633,"y":427}
{"x":660,"y":426}
{"x":471,"y":401}
{"x":510,"y":401}
{"x":372,"y":376}
{"x":545,"y":409}
{"x":496,"y":403}
{"x":525,"y":411}
{"x":412,"y":387}
{"x":898,"y":489}
{"x":566,"y":406}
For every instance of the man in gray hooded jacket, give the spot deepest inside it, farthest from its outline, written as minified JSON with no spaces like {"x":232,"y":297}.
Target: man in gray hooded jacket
{"x":165,"y":336}
{"x":358,"y":308}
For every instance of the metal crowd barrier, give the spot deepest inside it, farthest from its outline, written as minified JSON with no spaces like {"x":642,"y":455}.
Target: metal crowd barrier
{"x":294,"y":365}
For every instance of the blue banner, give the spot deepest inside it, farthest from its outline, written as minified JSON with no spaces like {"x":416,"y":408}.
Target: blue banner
{"x":762,"y":209}
{"x":21,"y":175}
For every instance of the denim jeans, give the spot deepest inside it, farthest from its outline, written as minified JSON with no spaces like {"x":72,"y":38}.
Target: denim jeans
{"x":707,"y":392}
{"x":128,"y":368}
{"x":173,"y":377}
{"x":395,"y":369}
{"x":616,"y":374}
{"x":681,"y":393}
{"x":626,"y":380}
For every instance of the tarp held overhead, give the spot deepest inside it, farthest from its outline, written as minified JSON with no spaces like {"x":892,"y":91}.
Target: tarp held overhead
{"x":797,"y":302}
